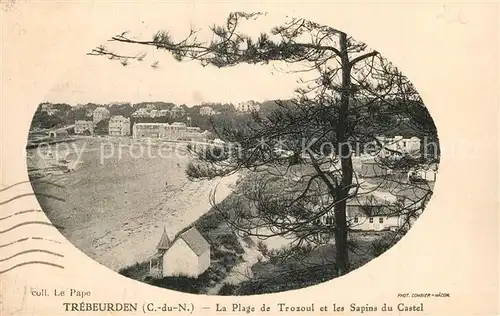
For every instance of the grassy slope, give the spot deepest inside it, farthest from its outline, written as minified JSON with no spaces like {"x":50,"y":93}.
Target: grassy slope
{"x":277,"y":273}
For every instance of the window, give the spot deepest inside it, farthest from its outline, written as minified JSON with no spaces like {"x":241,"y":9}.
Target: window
{"x":371,"y":220}
{"x":380,"y":220}
{"x":356,"y":219}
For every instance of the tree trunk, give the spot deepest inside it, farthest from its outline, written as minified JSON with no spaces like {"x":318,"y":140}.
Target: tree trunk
{"x":342,"y":254}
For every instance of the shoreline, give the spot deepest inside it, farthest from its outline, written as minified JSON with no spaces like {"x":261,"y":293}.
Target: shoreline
{"x":115,"y":213}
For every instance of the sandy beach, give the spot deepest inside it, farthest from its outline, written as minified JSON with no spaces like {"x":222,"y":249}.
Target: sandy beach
{"x":115,"y":211}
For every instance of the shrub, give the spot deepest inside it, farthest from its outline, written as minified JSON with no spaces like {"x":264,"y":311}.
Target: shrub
{"x":290,"y":280}
{"x":230,"y":241}
{"x":353,"y":245}
{"x":184,"y":283}
{"x":178,"y":283}
{"x":381,"y":245}
{"x":215,"y":153}
{"x":275,"y":255}
{"x":227,"y":289}
{"x":228,"y":261}
{"x":208,"y":222}
{"x":135,"y":271}
{"x":201,"y":171}
{"x":262,"y":247}
{"x":216,"y":253}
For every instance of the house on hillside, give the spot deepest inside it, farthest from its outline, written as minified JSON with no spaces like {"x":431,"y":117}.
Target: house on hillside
{"x":119,"y":126}
{"x":372,"y":215}
{"x":207,"y":111}
{"x":174,"y":131}
{"x":369,"y":213}
{"x":49,"y":109}
{"x":423,"y":173}
{"x":177,"y":111}
{"x":142,"y":112}
{"x":400,"y":144}
{"x":154,"y":113}
{"x":100,"y":114}
{"x":248,"y":106}
{"x":163,"y":113}
{"x":150,"y":107}
{"x":45,"y":106}
{"x":188,"y":254}
{"x":84,"y":127}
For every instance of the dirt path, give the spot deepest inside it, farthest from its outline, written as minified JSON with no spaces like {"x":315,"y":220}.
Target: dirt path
{"x":242,"y":271}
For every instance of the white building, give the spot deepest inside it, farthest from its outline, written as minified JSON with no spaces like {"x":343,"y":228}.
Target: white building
{"x":426,"y":173}
{"x":119,"y":126}
{"x":248,"y":106}
{"x":164,"y":113}
{"x":46,"y":106}
{"x":187,"y":255}
{"x":177,"y":111}
{"x":150,"y":107}
{"x":400,"y":144}
{"x":142,"y":112}
{"x":372,"y":216}
{"x":49,"y":109}
{"x":84,"y":127}
{"x":174,"y":131}
{"x":100,"y":114}
{"x":207,"y":111}
{"x":368,"y":213}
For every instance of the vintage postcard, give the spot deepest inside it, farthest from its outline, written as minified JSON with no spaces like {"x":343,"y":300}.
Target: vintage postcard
{"x":234,"y":158}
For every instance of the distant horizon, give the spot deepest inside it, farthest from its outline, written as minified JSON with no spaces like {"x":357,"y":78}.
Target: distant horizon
{"x":158,"y":101}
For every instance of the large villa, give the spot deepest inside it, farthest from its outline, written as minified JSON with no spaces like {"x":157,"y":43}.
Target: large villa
{"x":175,"y":130}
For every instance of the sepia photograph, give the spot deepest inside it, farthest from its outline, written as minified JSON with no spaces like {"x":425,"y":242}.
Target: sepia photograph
{"x":247,"y":155}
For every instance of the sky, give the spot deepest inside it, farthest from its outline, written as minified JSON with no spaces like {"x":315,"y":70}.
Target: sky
{"x":99,"y":80}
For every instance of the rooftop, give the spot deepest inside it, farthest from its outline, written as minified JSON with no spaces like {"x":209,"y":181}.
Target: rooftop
{"x":371,"y":205}
{"x":368,"y":199}
{"x":191,"y":236}
{"x":195,"y":240}
{"x":371,"y":210}
{"x":152,"y":124}
{"x":165,"y":242}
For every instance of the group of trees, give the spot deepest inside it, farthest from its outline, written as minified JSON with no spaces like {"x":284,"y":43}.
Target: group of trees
{"x":65,"y":114}
{"x":356,"y":95}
